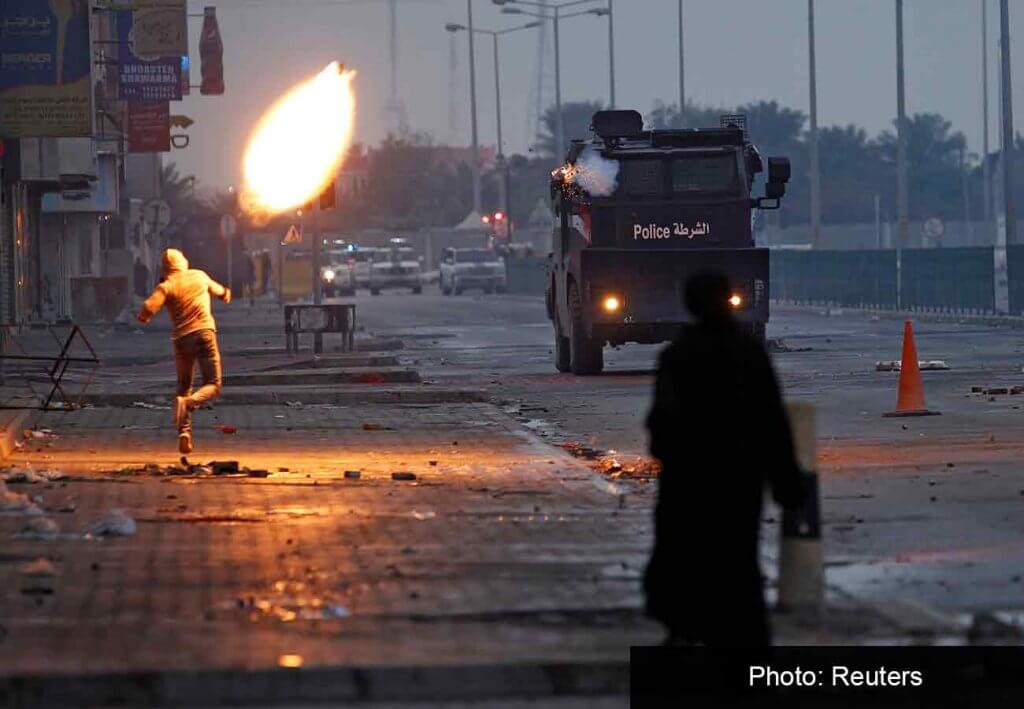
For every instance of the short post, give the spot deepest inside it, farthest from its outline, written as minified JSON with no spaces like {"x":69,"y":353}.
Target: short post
{"x":801,"y":562}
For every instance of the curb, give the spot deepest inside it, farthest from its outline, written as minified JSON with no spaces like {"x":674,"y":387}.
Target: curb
{"x":185,"y":688}
{"x":358,"y":394}
{"x":10,"y":433}
{"x":1007,"y":321}
{"x":325,"y":376}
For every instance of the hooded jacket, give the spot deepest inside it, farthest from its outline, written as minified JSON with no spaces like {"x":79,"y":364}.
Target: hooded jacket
{"x":186,"y":293}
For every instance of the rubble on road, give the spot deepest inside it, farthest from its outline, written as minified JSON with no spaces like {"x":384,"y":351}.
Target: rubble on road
{"x":147,"y":405}
{"x":895,"y":365}
{"x":223,"y":467}
{"x":41,"y":567}
{"x":403,"y":475}
{"x":42,"y":528}
{"x":352,"y":474}
{"x":39,"y":434}
{"x":116,"y":523}
{"x":16,"y":503}
{"x":226,"y":428}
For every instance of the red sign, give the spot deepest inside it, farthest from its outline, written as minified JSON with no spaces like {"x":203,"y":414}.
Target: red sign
{"x":149,"y":127}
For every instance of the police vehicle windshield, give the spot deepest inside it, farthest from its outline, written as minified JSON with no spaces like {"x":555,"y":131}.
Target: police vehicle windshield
{"x":679,"y":175}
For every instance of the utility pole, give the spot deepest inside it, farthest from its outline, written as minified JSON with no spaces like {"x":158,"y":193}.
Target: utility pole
{"x":682,"y":74}
{"x":1007,"y":123}
{"x":901,"y":135}
{"x":611,"y":54}
{"x":472,"y":104}
{"x":986,"y":192}
{"x":815,"y":168}
{"x":560,"y":122}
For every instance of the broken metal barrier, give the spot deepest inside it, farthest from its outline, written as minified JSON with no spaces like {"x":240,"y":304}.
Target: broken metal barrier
{"x":319,"y":319}
{"x":57,"y":367}
{"x":801,"y":556}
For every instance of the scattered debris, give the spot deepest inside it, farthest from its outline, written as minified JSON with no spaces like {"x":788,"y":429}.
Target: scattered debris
{"x":147,"y":405}
{"x":429,"y":514}
{"x":40,"y":567}
{"x":777,"y":345}
{"x":352,"y":474}
{"x":283,"y":469}
{"x":223,"y":467}
{"x":293,"y":404}
{"x":373,"y":426}
{"x":895,"y":365}
{"x":116,"y":523}
{"x":40,"y":528}
{"x":20,"y":476}
{"x":16,"y":502}
{"x":257,"y":473}
{"x":433,"y":463}
{"x":403,"y":475}
{"x":39,"y":434}
{"x":226,"y":429}
{"x":997,"y":391}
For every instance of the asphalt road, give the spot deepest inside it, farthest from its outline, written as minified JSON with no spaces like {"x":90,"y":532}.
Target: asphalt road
{"x":925,"y":509}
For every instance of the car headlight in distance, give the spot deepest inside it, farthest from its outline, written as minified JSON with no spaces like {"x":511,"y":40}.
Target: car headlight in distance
{"x":736,"y":301}
{"x":611,"y":303}
{"x":328,"y":275}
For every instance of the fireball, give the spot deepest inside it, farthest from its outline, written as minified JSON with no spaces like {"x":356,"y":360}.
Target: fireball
{"x":298,"y":145}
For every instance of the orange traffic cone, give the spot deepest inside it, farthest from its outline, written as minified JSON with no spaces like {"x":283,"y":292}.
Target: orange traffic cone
{"x":910,"y":401}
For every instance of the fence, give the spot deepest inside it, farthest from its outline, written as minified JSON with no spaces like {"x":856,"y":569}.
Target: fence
{"x":958,"y":280}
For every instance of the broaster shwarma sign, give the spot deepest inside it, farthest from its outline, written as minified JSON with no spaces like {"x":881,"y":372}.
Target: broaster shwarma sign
{"x":45,"y":69}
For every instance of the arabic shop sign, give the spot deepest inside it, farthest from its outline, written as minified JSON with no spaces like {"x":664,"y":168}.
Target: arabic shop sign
{"x":45,"y":69}
{"x":142,"y":77}
{"x":161,"y":27}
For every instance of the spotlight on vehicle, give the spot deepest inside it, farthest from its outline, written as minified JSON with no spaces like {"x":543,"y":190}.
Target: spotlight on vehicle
{"x":611,"y":304}
{"x":736,"y":300}
{"x":328,"y":275}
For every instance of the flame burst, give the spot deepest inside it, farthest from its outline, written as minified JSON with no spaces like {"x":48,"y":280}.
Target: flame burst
{"x":299,"y":144}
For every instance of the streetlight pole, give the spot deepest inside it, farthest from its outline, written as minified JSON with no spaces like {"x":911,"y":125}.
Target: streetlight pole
{"x":682,"y":74}
{"x":503,"y":165}
{"x":901,"y":134}
{"x":556,"y":17}
{"x":986,"y":177}
{"x":472,"y":102}
{"x":815,"y":167}
{"x":1007,"y":123}
{"x":611,"y":54}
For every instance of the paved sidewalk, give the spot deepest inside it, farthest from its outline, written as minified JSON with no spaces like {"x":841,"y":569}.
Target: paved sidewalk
{"x":505,"y":568}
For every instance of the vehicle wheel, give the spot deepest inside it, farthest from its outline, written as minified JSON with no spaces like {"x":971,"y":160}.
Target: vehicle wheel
{"x":456,"y":290}
{"x":585,"y":355}
{"x":417,"y":290}
{"x":562,"y":359}
{"x":375,"y":291}
{"x":446,"y":291}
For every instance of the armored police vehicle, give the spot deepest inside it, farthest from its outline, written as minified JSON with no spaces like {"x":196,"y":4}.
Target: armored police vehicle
{"x":636,"y":214}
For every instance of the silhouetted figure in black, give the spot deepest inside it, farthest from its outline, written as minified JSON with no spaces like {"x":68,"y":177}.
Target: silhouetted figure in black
{"x":719,"y":428}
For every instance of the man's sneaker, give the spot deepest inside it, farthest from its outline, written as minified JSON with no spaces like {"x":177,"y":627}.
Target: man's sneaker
{"x":180,"y":411}
{"x":184,"y":443}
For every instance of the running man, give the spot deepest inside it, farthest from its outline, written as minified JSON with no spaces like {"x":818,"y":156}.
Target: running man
{"x":186,"y":293}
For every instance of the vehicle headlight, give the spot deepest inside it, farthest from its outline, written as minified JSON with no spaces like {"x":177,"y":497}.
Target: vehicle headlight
{"x":736,"y":300}
{"x":328,"y":275}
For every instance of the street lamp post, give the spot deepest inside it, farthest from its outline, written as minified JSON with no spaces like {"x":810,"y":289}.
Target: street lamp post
{"x":556,"y":17}
{"x":901,"y":135}
{"x":503,"y":165}
{"x":472,"y":110}
{"x":813,"y":98}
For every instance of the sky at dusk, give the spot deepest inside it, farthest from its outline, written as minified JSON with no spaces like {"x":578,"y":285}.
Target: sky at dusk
{"x":735,"y":51}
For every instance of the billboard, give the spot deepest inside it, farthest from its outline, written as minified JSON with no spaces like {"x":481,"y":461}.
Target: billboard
{"x":149,"y":127}
{"x":142,"y":77}
{"x":161,"y":27}
{"x":45,"y":69}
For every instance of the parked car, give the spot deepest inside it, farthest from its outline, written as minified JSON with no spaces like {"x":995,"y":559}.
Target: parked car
{"x":364,"y":256}
{"x":472,"y":268}
{"x":396,"y":267}
{"x":338,"y":276}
